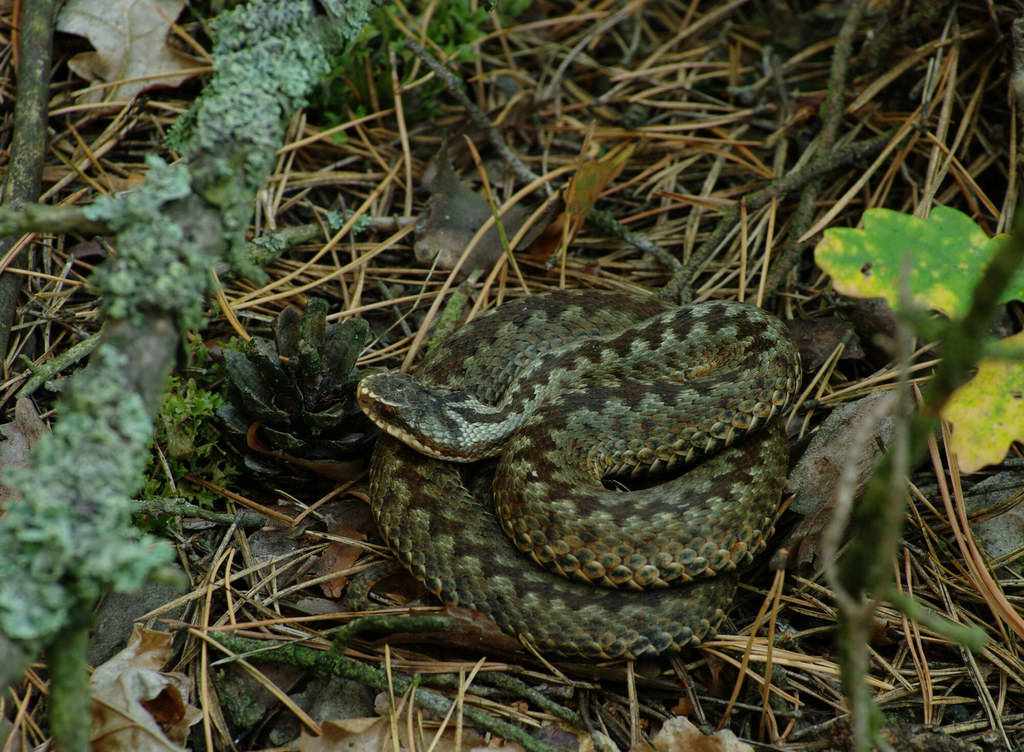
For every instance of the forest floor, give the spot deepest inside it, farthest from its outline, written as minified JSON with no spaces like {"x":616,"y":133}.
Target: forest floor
{"x":685,"y":113}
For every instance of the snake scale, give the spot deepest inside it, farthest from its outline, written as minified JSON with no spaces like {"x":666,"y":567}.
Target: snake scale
{"x":575,"y":394}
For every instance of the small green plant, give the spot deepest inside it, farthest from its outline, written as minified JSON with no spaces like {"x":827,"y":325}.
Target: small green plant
{"x":943,"y":263}
{"x":358,"y":81}
{"x":188,"y":439}
{"x":936,"y":263}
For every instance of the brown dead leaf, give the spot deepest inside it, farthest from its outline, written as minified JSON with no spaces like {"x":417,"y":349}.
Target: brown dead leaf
{"x":351,"y":734}
{"x":717,"y":675}
{"x":549,"y":240}
{"x":19,"y":436}
{"x":590,"y":181}
{"x":467,"y":629}
{"x":874,"y":320}
{"x":683,"y":707}
{"x":453,"y":214}
{"x":136,"y":706}
{"x":818,"y":338}
{"x":130,"y":37}
{"x":474,"y":631}
{"x":816,"y":477}
{"x":339,"y":557}
{"x":679,"y":735}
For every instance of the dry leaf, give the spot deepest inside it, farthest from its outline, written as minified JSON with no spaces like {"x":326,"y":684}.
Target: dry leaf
{"x":818,"y":338}
{"x":679,"y":735}
{"x":590,"y":181}
{"x":453,"y":214}
{"x":815,"y":479}
{"x":135,"y":706}
{"x":339,"y":557}
{"x":473,"y":631}
{"x":19,"y":436}
{"x":874,"y":322}
{"x":130,"y":37}
{"x":374,"y":734}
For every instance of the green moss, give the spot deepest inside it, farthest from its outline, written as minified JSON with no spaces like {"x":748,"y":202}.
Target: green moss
{"x":186,"y":432}
{"x":72,"y":523}
{"x":454,"y":26}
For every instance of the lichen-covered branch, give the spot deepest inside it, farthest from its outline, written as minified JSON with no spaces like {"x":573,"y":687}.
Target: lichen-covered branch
{"x":68,"y":537}
{"x":334,"y":662}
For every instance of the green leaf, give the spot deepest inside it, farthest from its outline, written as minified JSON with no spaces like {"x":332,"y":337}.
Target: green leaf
{"x":946,"y":254}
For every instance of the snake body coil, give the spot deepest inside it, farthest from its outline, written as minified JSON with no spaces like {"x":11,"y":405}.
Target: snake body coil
{"x":569,"y":390}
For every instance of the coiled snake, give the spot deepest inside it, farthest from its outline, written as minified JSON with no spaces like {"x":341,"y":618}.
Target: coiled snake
{"x":572,"y":391}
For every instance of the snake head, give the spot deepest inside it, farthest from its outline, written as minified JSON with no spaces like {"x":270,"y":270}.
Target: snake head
{"x":439,"y":422}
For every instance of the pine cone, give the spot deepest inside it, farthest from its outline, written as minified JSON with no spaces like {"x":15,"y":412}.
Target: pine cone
{"x":298,"y":393}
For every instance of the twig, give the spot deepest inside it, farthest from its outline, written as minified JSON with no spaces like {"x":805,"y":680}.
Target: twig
{"x":833,"y":115}
{"x":42,"y":374}
{"x":480,"y":120}
{"x":678,"y":288}
{"x":794,"y":248}
{"x":609,"y":22}
{"x":521,"y":689}
{"x":837,"y":76}
{"x":69,"y":682}
{"x":606,"y":222}
{"x":28,"y":145}
{"x":334,"y":663}
{"x":58,"y":220}
{"x":179,"y":221}
{"x":875,"y":523}
{"x":180,"y":508}
{"x":909,"y":20}
{"x":344,"y":635}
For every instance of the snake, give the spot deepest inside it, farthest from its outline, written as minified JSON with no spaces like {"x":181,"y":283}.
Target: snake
{"x":588,"y":469}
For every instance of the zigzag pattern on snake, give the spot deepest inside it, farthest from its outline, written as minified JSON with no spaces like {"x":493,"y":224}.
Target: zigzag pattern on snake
{"x":567,"y":389}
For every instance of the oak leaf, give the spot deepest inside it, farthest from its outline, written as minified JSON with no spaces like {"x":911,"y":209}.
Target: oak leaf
{"x":130,"y":39}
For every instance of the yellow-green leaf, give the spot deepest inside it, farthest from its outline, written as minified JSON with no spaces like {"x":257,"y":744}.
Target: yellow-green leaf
{"x":945,"y":253}
{"x":988,"y":412}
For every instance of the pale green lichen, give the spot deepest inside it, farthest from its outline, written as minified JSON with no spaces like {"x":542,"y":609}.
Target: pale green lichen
{"x":336,"y":220}
{"x":157,"y":267}
{"x":349,"y":17}
{"x":68,"y":536}
{"x":267,"y":247}
{"x":267,"y":58}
